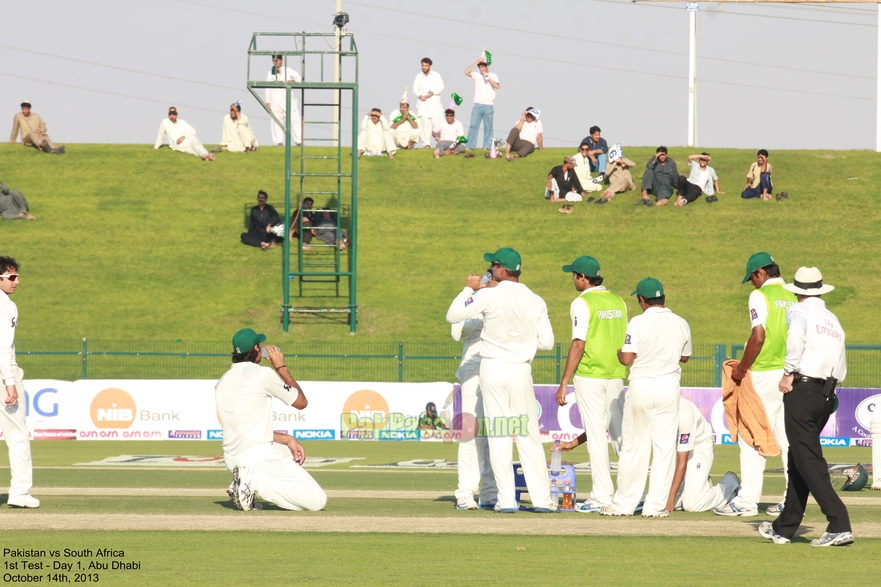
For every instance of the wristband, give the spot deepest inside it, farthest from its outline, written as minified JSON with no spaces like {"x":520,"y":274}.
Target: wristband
{"x":283,"y":366}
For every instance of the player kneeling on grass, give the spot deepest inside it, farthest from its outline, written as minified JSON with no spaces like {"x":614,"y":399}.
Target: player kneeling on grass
{"x":692,"y":489}
{"x":259,"y":458}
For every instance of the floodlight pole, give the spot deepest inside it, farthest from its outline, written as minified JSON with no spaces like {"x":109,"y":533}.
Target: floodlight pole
{"x":692,"y":8}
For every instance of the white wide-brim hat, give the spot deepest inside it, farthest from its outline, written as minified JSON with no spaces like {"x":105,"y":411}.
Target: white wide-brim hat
{"x":808,"y":281}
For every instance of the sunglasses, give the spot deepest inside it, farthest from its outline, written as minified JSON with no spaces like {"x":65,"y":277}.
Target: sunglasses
{"x":9,"y":276}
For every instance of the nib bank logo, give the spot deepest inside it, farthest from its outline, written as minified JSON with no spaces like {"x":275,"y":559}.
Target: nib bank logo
{"x":112,"y":408}
{"x":364,"y":410}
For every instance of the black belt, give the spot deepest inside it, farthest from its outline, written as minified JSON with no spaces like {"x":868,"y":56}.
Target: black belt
{"x":806,"y":379}
{"x":827,"y":384}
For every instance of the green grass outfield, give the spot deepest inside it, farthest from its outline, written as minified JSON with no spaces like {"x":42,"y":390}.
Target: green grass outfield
{"x":133,"y":243}
{"x":386,"y":526}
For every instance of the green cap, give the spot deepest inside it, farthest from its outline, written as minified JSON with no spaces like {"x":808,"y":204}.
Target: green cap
{"x":506,"y":257}
{"x":585,"y":265}
{"x":756,"y":262}
{"x":245,"y":340}
{"x":649,"y":288}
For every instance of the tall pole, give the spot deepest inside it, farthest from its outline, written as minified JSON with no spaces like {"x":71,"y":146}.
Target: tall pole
{"x":878,"y":91}
{"x":336,"y":78}
{"x":692,"y":8}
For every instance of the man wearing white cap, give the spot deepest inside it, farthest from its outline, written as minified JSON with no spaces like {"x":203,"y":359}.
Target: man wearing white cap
{"x":276,"y":99}
{"x":763,"y":359}
{"x":655,"y":343}
{"x":404,"y":127}
{"x":261,"y":460}
{"x":814,"y":365}
{"x":33,"y":131}
{"x":428,"y":86}
{"x":516,"y":325}
{"x":181,"y":137}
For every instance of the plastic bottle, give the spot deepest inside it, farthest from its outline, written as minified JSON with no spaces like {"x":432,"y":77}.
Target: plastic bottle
{"x":567,"y":501}
{"x":556,"y":457}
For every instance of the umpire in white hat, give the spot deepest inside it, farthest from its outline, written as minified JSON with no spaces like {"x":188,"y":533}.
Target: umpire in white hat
{"x":815,"y":363}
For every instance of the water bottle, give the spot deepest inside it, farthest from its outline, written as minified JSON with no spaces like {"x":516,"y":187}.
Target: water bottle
{"x":568,"y":499}
{"x":556,"y":457}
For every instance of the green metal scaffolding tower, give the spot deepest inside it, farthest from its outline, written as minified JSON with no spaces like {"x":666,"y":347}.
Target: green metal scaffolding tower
{"x":320,"y":174}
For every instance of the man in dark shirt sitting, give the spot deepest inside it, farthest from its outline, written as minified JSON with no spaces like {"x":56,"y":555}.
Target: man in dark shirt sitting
{"x":263,"y":218}
{"x":563,"y":185}
{"x":598,"y":152}
{"x":660,"y":179}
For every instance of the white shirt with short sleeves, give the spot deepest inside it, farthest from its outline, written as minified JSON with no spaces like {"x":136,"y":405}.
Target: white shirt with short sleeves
{"x":530,"y":131}
{"x":484,"y":92}
{"x":693,"y":427}
{"x":659,"y":338}
{"x":244,"y":405}
{"x":580,"y":314}
{"x":449,"y":132}
{"x":758,"y":304}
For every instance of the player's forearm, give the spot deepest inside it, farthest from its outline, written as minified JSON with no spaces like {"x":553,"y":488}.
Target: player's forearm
{"x":576,"y":351}
{"x":678,"y":476}
{"x":753,"y":348}
{"x":285,"y":374}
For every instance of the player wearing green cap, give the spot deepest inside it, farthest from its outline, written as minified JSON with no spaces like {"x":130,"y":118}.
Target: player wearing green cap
{"x":599,"y":322}
{"x":763,"y":358}
{"x":655,"y":343}
{"x":258,"y":457}
{"x":516,"y":325}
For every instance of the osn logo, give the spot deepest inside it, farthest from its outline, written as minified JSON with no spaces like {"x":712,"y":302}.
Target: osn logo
{"x":365,"y":409}
{"x":112,"y":408}
{"x":866,"y":410}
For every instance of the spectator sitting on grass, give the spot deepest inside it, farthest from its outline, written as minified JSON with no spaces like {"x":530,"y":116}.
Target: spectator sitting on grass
{"x":582,"y":170}
{"x":263,"y":218}
{"x":758,"y":179}
{"x":13,"y":206}
{"x":429,"y":420}
{"x":525,"y":135}
{"x":598,"y":150}
{"x":563,"y":185}
{"x":326,"y":229}
{"x":33,"y":131}
{"x":659,"y":179}
{"x":375,"y":137}
{"x":237,"y":135}
{"x":619,"y":178}
{"x":447,"y":135}
{"x":701,"y":180}
{"x":308,"y":220}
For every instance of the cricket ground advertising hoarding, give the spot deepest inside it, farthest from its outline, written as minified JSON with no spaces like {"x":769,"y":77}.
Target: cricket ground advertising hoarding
{"x":49,"y":410}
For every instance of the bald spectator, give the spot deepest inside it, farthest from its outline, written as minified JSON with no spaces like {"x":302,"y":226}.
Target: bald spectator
{"x":33,"y":131}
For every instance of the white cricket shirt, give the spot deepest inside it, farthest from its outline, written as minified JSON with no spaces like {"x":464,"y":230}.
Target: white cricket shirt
{"x":244,"y":405}
{"x":693,"y":427}
{"x":8,"y":322}
{"x":580,"y":314}
{"x":469,"y":333}
{"x":659,"y":338}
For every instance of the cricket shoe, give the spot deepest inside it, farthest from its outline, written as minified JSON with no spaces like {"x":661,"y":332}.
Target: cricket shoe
{"x":500,"y":510}
{"x":588,"y":506}
{"x":661,"y":514}
{"x":766,"y":529}
{"x":833,"y":539}
{"x":242,"y":496}
{"x":25,"y":501}
{"x":553,"y":509}
{"x":775,"y":510}
{"x":730,"y":509}
{"x":599,"y":178}
{"x":490,"y":505}
{"x":466,"y":504}
{"x":608,"y":510}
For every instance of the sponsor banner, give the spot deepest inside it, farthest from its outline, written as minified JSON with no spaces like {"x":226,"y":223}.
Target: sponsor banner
{"x":49,"y":409}
{"x":856,"y":406}
{"x":193,"y":461}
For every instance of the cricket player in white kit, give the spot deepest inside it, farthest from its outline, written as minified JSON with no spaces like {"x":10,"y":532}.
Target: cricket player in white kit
{"x":763,"y":357}
{"x":276,"y":99}
{"x":516,"y":325}
{"x":262,"y":461}
{"x":655,"y":343}
{"x":473,"y":462}
{"x":692,"y":489}
{"x":12,"y":412}
{"x":599,"y":322}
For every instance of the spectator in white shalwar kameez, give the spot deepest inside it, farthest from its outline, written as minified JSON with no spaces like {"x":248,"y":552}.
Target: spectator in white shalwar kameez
{"x":238,"y":136}
{"x":405,"y":129}
{"x":181,"y":137}
{"x":275,"y":99}
{"x":375,"y":137}
{"x":428,"y":87}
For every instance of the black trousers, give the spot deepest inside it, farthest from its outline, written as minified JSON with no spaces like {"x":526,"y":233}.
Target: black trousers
{"x":805,"y":413}
{"x":689,"y":191}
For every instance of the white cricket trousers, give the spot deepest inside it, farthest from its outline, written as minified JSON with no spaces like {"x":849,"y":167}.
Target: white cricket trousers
{"x":278,"y":131}
{"x":508,"y":393}
{"x":15,"y":431}
{"x":473,"y":460}
{"x":752,"y":464}
{"x":697,"y":492}
{"x":272,"y":473}
{"x":601,"y":405}
{"x":649,"y":432}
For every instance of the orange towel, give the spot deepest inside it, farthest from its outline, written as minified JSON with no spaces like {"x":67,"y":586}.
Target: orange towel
{"x":745,"y":413}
